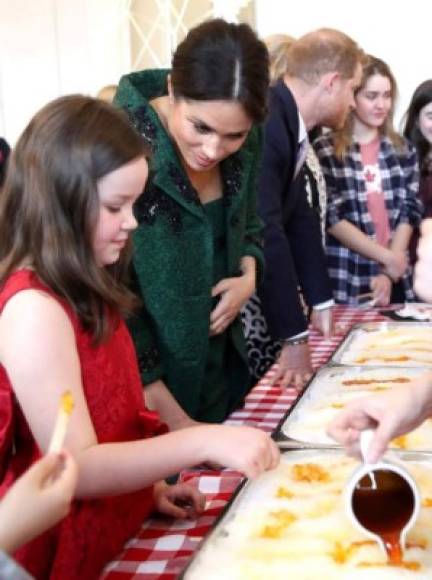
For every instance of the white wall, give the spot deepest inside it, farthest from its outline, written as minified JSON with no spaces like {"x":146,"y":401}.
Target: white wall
{"x":399,"y":33}
{"x":54,"y":47}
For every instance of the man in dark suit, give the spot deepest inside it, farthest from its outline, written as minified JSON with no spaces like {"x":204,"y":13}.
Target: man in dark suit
{"x":324,"y":68}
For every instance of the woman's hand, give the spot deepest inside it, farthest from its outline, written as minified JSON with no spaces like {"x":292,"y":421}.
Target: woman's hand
{"x":392,"y":413}
{"x":234,"y":293}
{"x":381,"y":287}
{"x":178,"y":501}
{"x":38,"y":500}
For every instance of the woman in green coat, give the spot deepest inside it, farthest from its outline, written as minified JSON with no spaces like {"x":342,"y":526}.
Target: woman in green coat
{"x":198,"y":245}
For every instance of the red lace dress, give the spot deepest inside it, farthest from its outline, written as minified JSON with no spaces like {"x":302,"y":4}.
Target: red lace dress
{"x":95,"y":530}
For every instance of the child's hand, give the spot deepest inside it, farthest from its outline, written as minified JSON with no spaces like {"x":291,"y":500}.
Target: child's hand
{"x":178,"y":501}
{"x":38,"y":500}
{"x":381,"y":287}
{"x":248,"y":450}
{"x":397,"y":265}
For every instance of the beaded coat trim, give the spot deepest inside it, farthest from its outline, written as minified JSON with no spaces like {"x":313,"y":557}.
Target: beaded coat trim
{"x":148,"y":359}
{"x":143,"y":123}
{"x":232,"y":178}
{"x":183,"y":185}
{"x":155,"y":201}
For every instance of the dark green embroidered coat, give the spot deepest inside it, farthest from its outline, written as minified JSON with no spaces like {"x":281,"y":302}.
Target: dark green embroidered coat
{"x":173,"y":255}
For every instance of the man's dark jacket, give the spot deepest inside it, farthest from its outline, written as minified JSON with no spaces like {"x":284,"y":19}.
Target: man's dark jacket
{"x":293,"y":250}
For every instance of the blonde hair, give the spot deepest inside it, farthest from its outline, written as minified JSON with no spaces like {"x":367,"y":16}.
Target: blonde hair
{"x":107,"y":93}
{"x":278,"y":46}
{"x":322,"y":51}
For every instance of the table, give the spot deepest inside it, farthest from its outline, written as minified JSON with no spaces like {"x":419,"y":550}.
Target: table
{"x":163,"y":546}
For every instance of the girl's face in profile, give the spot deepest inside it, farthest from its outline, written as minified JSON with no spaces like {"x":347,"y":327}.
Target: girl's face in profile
{"x":374,"y":101}
{"x":206,"y":132}
{"x":118,"y":192}
{"x":425,"y":122}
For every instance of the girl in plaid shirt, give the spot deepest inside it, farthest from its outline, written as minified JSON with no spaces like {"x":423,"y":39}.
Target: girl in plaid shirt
{"x":418,"y":129}
{"x":372,"y":179}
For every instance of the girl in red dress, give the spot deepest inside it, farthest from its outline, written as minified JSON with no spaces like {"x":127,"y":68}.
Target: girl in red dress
{"x":65,"y":219}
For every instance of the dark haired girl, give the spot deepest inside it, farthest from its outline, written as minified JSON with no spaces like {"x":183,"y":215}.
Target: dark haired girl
{"x":4,"y":154}
{"x":65,"y":220}
{"x":418,"y":129}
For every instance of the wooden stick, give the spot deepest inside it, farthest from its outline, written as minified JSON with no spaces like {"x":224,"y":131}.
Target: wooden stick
{"x":365,"y":296}
{"x":62,"y":421}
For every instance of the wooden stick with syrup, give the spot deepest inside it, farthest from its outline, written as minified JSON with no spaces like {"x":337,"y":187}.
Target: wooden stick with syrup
{"x":62,"y":421}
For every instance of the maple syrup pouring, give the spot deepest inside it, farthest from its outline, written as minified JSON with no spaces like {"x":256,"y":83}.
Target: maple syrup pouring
{"x":383,"y":503}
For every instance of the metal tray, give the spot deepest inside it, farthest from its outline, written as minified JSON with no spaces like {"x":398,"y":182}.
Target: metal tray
{"x":304,"y":423}
{"x":284,"y":525}
{"x":361,"y":332}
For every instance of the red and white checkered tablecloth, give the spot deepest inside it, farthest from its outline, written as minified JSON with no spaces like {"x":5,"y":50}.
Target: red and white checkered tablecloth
{"x":163,"y":546}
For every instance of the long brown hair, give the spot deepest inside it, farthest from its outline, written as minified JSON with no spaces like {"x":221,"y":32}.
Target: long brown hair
{"x":49,"y":205}
{"x":343,"y":138}
{"x":422,"y":96}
